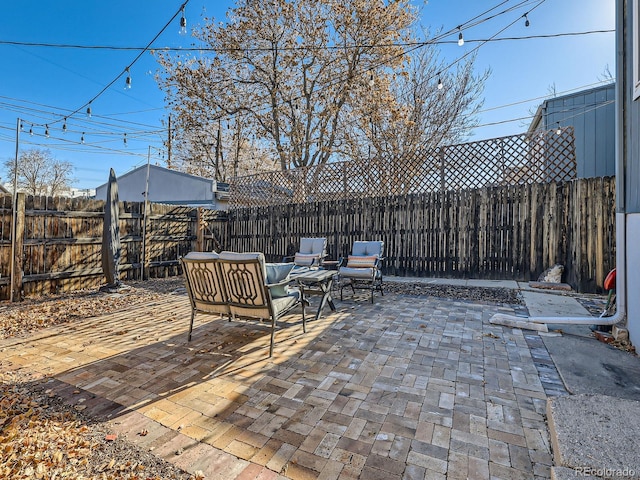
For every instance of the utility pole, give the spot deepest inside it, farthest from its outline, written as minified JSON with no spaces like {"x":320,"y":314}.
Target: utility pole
{"x":169,"y":143}
{"x":14,"y":216}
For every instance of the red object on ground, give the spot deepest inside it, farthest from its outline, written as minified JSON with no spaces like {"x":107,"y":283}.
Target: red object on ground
{"x":610,"y":281}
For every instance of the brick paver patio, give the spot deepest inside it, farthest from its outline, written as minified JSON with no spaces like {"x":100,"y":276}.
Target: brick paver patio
{"x":405,"y":388}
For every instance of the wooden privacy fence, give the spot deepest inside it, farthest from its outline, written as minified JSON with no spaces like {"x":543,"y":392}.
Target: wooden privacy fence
{"x":58,"y":243}
{"x":513,"y":232}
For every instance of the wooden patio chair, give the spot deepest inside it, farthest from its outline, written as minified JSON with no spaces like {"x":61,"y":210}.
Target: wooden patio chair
{"x":362,"y":267}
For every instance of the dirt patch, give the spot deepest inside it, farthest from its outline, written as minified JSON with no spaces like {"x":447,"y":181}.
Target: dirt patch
{"x":508,"y":296}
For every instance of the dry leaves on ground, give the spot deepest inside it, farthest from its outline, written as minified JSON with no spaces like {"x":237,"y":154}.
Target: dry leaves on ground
{"x":41,"y":438}
{"x":36,"y":313}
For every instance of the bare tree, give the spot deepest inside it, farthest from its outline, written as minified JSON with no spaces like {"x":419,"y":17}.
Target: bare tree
{"x":290,"y":70}
{"x":39,"y":173}
{"x":429,"y":106}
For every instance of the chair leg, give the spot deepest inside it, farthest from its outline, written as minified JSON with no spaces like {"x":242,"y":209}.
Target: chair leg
{"x":273,"y":333}
{"x":304,"y":319}
{"x":193,"y":314}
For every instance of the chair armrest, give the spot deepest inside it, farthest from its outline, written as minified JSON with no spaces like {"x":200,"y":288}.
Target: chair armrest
{"x":280,"y":289}
{"x":282,"y":283}
{"x":288,"y":259}
{"x":342,"y":261}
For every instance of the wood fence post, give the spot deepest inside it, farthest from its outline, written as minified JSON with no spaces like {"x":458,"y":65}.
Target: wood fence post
{"x":18,"y":252}
{"x":199,"y":230}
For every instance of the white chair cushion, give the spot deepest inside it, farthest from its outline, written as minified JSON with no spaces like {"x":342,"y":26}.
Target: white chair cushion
{"x":367,"y":248}
{"x":202,"y":255}
{"x":316,"y":246}
{"x":364,"y":273}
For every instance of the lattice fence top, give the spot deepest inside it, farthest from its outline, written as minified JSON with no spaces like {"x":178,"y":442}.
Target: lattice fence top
{"x":538,"y":157}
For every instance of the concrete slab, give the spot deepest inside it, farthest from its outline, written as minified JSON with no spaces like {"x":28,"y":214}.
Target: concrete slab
{"x":592,"y":434}
{"x":593,"y":367}
{"x":493,"y":283}
{"x":549,"y":304}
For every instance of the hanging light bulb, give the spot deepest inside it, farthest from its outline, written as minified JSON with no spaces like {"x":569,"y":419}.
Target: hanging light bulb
{"x":526,"y":22}
{"x":89,"y":111}
{"x":127,"y":82}
{"x":558,"y":130}
{"x":460,"y":38}
{"x":64,"y":126}
{"x":46,"y":131}
{"x":371,"y":81}
{"x":125,"y":139}
{"x":183,"y":24}
{"x":21,"y":126}
{"x":82,"y":138}
{"x":31,"y":130}
{"x":440,"y":85}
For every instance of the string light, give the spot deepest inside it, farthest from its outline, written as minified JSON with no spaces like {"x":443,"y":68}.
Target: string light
{"x":460,"y":37}
{"x":82,"y":138}
{"x":125,"y":139}
{"x":558,"y":130}
{"x":183,"y":31}
{"x":127,"y":82}
{"x":64,"y":125}
{"x":527,"y":22}
{"x":21,"y":126}
{"x":31,"y":130}
{"x":371,"y":82}
{"x":46,"y":131}
{"x":183,"y":24}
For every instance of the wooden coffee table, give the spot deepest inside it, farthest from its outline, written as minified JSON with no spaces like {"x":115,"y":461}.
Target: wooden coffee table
{"x":317,"y":282}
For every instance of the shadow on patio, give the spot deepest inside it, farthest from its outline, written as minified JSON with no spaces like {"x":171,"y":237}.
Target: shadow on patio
{"x":409,"y":387}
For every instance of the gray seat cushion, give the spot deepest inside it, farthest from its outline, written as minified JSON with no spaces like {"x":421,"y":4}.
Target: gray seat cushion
{"x":367,"y":248}
{"x":364,"y":273}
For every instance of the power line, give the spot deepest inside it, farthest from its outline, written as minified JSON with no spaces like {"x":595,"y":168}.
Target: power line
{"x":124,"y":72}
{"x":543,"y":97}
{"x":335,"y":47}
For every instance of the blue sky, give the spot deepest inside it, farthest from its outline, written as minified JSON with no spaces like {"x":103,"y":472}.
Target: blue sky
{"x":43,"y":84}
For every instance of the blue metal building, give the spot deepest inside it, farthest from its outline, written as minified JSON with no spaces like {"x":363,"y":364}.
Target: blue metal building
{"x":592,"y":115}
